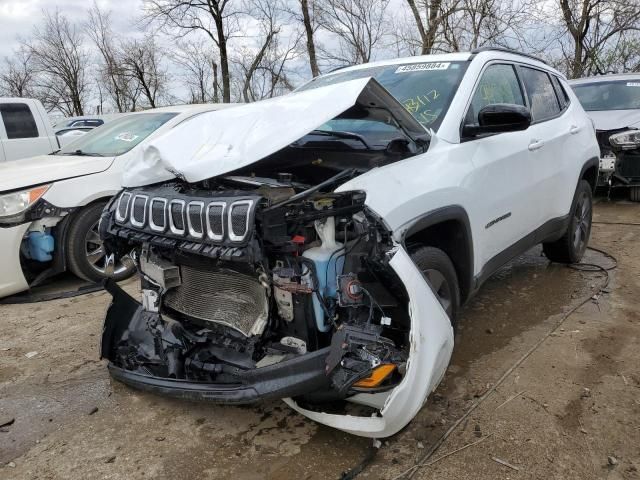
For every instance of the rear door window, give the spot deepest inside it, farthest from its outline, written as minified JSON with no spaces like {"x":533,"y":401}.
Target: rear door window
{"x":563,"y":96}
{"x":18,"y":120}
{"x":542,"y":96}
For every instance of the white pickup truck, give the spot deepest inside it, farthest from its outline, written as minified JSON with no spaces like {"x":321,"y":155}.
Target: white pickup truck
{"x":25,"y":129}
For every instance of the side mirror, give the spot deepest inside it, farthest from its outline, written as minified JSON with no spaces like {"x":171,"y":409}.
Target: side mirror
{"x":499,"y":118}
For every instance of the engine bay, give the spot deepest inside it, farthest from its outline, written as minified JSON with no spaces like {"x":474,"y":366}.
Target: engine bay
{"x":243,"y":273}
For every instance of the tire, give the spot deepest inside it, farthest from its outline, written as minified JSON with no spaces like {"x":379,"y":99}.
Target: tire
{"x":441,"y":275}
{"x":634,"y":194}
{"x":571,"y":247}
{"x":84,"y":248}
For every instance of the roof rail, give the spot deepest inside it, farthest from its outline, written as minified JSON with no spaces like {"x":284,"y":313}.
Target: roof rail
{"x":506,"y":50}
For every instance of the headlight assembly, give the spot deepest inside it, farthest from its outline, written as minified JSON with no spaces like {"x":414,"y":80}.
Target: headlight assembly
{"x":15,"y":203}
{"x":629,"y":140}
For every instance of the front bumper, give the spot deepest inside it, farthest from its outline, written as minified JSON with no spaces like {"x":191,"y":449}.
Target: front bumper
{"x":290,"y":378}
{"x":431,"y":346}
{"x":12,"y":278}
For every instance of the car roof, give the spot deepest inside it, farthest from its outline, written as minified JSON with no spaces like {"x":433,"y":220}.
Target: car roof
{"x":605,"y":78}
{"x":482,"y":55}
{"x":179,"y":109}
{"x":191,"y":108}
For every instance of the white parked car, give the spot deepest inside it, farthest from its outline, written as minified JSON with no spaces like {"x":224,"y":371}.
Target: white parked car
{"x":50,"y":204}
{"x":317,"y":247}
{"x":25,"y":130}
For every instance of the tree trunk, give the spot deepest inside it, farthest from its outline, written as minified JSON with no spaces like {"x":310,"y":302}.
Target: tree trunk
{"x":216,"y":85}
{"x":420,"y":26}
{"x":224,"y":59}
{"x":311,"y":46}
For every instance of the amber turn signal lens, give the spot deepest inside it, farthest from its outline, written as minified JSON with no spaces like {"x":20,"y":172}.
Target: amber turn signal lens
{"x":377,"y":376}
{"x":37,"y":192}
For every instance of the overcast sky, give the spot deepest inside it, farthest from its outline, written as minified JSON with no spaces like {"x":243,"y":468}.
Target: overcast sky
{"x":17,"y":17}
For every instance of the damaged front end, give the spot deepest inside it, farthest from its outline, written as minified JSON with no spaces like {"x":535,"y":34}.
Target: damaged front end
{"x":250,"y":294}
{"x":626,"y":147}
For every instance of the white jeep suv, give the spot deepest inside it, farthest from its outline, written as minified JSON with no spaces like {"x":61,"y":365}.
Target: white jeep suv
{"x":317,"y":247}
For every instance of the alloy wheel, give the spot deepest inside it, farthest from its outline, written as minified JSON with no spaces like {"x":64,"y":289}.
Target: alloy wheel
{"x":96,"y":256}
{"x":582,"y":218}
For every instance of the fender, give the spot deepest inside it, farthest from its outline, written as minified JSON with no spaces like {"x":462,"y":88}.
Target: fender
{"x":61,"y":233}
{"x":464,"y":261}
{"x":592,"y":162}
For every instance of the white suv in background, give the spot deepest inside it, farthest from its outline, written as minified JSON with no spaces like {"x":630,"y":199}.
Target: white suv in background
{"x":317,"y":247}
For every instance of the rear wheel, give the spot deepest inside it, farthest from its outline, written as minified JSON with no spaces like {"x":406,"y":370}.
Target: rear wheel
{"x":86,"y":257}
{"x":571,"y":247}
{"x":441,"y":275}
{"x":634,"y":194}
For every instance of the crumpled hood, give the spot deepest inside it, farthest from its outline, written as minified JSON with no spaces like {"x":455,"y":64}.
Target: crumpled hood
{"x":615,"y":119}
{"x":219,"y":142}
{"x":27,"y":172}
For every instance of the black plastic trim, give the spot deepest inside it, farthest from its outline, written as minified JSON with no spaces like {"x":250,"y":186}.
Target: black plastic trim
{"x":592,"y":162}
{"x":441,"y":215}
{"x":549,"y":231}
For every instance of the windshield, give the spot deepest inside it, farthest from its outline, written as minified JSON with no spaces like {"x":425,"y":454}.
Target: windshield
{"x":119,"y":136}
{"x":425,"y":89}
{"x":615,"y":95}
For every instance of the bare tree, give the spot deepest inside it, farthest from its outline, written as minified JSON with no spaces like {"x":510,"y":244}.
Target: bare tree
{"x":263,"y":66}
{"x":358,"y":26}
{"x":198,"y":63}
{"x":267,"y":12}
{"x":593,"y":26}
{"x":306,"y":12}
{"x":59,"y":56}
{"x":142,"y":64}
{"x":216,"y":18}
{"x":430,"y":24}
{"x":120,"y":88}
{"x":18,"y":76}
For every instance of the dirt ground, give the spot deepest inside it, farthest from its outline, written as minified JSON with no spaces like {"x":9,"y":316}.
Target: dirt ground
{"x":570,"y":411}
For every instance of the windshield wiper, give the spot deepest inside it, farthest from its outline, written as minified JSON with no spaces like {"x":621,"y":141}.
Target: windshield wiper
{"x":80,"y":153}
{"x":340,"y":134}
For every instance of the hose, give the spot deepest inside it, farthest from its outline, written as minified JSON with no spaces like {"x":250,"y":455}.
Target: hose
{"x":410,"y":472}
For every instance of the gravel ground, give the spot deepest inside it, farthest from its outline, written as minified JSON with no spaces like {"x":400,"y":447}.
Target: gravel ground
{"x":570,"y":411}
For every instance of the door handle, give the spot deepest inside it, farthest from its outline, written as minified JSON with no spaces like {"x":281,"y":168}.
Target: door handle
{"x":574,"y":129}
{"x":535,"y":145}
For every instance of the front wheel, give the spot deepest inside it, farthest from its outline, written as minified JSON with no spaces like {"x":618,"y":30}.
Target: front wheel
{"x":571,"y":247}
{"x":441,"y":276}
{"x":86,"y":257}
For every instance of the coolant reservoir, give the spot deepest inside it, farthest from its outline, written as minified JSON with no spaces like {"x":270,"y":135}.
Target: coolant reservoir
{"x":329,"y":262}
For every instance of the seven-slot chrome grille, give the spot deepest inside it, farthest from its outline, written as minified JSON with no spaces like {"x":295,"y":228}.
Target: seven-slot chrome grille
{"x":216,"y":220}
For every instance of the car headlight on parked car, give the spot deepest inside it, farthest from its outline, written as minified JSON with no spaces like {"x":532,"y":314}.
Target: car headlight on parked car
{"x":15,"y":203}
{"x":629,"y":140}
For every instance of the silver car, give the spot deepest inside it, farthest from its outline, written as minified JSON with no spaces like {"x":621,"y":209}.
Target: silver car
{"x":613,"y":103}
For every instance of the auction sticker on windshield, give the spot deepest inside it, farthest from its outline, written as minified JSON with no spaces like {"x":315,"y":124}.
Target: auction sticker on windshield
{"x":420,"y":67}
{"x":126,"y":137}
{"x":633,"y":84}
